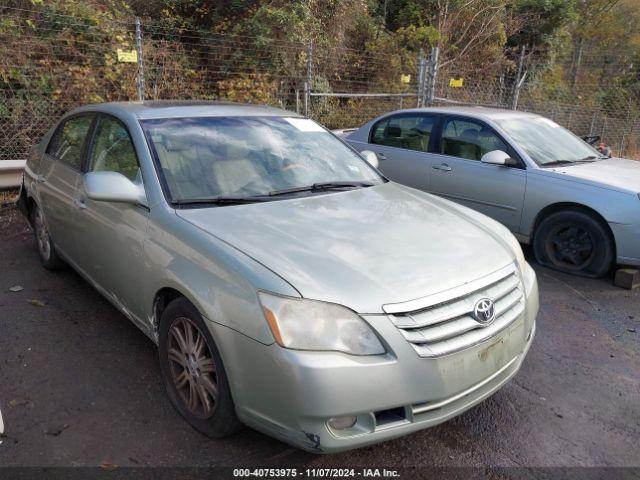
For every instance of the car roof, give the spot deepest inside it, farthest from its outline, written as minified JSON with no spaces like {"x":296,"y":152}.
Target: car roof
{"x":474,"y":111}
{"x":184,"y":108}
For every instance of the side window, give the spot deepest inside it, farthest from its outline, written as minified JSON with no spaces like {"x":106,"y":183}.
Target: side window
{"x":379,"y":129}
{"x":113,"y":150}
{"x":468,"y":139}
{"x":68,"y":141}
{"x":411,"y":132}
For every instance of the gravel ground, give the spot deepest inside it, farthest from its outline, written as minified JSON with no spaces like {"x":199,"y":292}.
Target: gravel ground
{"x":79,"y":386}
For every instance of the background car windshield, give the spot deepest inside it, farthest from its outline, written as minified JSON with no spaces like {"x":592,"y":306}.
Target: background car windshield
{"x":249,"y":156}
{"x":546,"y":141}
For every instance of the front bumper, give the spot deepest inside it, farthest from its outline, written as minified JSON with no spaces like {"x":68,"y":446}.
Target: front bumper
{"x":292,"y":394}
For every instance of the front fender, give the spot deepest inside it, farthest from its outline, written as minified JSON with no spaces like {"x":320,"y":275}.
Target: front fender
{"x":545,"y":190}
{"x":219,"y":280}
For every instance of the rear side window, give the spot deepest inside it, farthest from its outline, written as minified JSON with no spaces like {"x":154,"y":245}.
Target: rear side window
{"x":68,"y":141}
{"x":411,"y":132}
{"x":113,"y":150}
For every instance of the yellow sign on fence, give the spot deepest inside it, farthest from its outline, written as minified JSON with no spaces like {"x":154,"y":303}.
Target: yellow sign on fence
{"x":129,"y":56}
{"x":405,"y":78}
{"x":456,"y":82}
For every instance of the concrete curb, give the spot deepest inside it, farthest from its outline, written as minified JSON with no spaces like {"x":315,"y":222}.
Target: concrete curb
{"x":11,"y":173}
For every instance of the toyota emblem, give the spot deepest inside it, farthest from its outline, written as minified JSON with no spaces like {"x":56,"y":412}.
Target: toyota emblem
{"x":484,"y":311}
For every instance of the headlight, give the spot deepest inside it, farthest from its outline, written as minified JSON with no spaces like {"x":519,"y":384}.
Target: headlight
{"x":313,"y":325}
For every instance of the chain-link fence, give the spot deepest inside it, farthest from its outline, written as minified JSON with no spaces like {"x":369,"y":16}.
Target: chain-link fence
{"x":50,"y":63}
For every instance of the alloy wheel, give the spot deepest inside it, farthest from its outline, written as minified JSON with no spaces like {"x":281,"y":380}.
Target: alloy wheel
{"x":570,"y":246}
{"x":42,"y":235}
{"x":193,"y":370}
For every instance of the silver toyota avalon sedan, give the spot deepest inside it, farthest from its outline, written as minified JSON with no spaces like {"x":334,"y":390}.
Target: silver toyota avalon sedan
{"x":288,"y":285}
{"x":579,"y":210}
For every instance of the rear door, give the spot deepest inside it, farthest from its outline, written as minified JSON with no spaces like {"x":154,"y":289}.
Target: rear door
{"x":401,"y":143}
{"x":110,"y":235}
{"x":458,"y":174}
{"x":59,"y":175}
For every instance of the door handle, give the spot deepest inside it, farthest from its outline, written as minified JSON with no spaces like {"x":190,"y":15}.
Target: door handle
{"x":381,"y":156}
{"x":79,"y":204}
{"x":443,"y":166}
{"x":40,"y":179}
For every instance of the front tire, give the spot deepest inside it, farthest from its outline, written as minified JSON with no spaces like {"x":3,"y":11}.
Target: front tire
{"x":573,"y":241}
{"x":46,"y":249}
{"x":193,"y":373}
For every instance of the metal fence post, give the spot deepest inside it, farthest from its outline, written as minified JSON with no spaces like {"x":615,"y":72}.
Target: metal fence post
{"x":593,"y":122}
{"x":626,"y":127}
{"x":432,"y":74}
{"x":140,"y":79}
{"x":307,"y":83}
{"x":519,"y":81}
{"x":420,"y":85}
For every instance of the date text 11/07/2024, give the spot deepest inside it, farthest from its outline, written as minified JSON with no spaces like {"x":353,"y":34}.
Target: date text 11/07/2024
{"x":316,"y":472}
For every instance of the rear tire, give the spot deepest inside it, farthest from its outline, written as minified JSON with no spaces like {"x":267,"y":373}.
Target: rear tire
{"x":193,"y":373}
{"x":575,"y":242}
{"x":46,"y":249}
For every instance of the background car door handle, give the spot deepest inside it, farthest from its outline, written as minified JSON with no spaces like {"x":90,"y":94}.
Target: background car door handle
{"x":444,"y":167}
{"x":79,"y":204}
{"x":40,"y":179}
{"x":381,"y":156}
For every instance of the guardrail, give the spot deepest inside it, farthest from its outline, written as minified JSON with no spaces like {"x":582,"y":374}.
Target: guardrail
{"x":11,"y":173}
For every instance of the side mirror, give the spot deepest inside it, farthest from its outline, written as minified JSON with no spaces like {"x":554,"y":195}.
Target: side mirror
{"x":370,"y":157}
{"x":496,"y":157}
{"x":113,"y":187}
{"x":592,"y":139}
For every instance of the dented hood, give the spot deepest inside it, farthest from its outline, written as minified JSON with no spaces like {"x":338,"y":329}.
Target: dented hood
{"x":360,"y":248}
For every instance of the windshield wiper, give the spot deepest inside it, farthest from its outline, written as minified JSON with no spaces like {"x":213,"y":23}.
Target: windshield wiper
{"x":589,"y":159}
{"x":317,"y":187}
{"x":221,"y":200}
{"x":557,"y":162}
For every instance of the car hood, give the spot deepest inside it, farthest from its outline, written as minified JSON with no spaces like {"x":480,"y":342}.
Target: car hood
{"x":361,"y":248}
{"x":617,"y":173}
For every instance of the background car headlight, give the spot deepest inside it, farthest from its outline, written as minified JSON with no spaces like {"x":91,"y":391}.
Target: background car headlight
{"x":313,"y":325}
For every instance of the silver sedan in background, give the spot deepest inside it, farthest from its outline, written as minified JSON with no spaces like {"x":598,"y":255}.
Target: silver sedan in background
{"x":579,"y":210}
{"x":287,"y":284}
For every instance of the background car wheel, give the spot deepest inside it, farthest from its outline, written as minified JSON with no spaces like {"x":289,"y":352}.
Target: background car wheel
{"x":46,"y":249}
{"x":574,"y":242}
{"x":193,"y":373}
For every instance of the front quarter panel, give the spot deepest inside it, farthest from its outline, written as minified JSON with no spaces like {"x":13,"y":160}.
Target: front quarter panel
{"x":546,"y":188}
{"x":219,"y":280}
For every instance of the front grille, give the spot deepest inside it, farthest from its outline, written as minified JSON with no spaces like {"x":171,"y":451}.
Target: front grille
{"x":444,"y":323}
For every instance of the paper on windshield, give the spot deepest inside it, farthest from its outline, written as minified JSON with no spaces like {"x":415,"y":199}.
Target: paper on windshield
{"x":304,"y":124}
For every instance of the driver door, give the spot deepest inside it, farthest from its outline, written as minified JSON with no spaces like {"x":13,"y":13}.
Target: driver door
{"x":458,"y":174}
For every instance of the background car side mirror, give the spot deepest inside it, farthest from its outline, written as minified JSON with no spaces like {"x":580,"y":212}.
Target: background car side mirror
{"x":370,"y":157}
{"x":496,"y":157}
{"x":113,"y":187}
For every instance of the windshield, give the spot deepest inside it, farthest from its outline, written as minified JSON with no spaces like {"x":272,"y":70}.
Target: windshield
{"x":547,"y":142}
{"x":203,"y":158}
